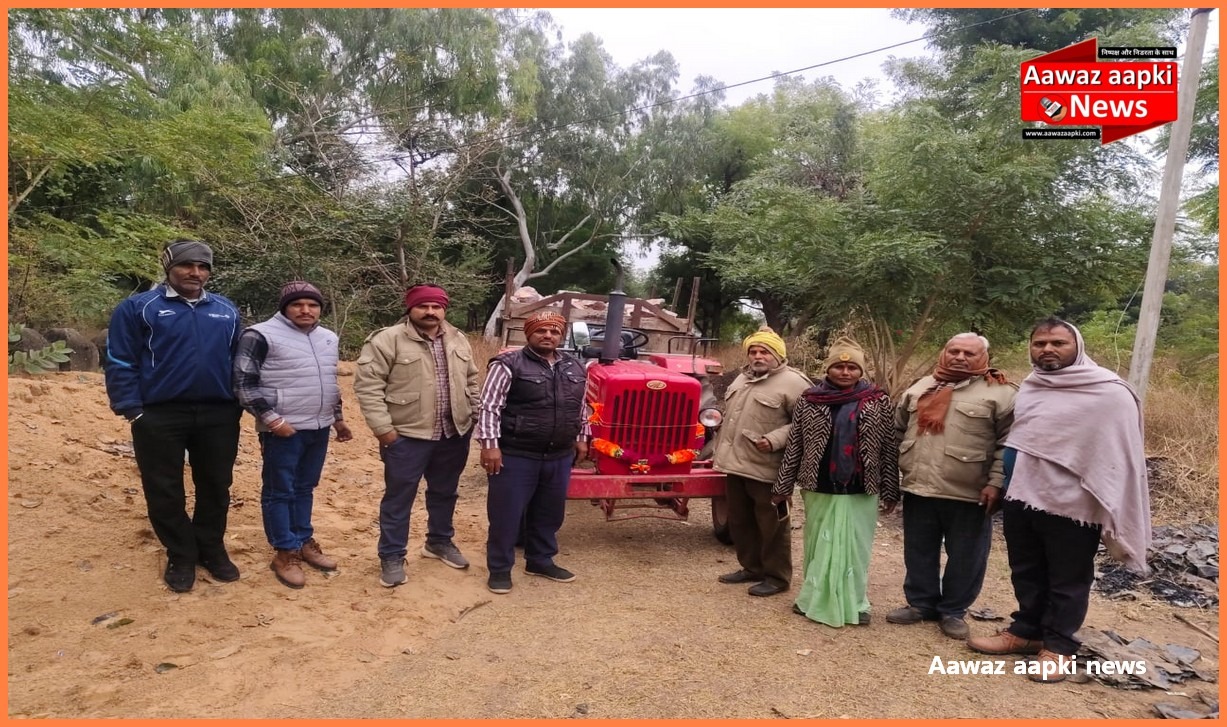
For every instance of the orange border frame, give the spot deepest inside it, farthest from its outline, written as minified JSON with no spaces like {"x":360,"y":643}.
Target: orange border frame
{"x":547,"y":4}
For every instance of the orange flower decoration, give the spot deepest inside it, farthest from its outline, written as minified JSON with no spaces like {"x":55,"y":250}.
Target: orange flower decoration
{"x":682,"y":456}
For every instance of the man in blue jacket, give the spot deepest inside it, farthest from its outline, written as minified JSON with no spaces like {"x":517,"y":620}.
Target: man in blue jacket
{"x":169,"y":358}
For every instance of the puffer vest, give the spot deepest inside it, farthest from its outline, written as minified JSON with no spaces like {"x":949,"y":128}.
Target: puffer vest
{"x":541,"y":418}
{"x":299,"y":376}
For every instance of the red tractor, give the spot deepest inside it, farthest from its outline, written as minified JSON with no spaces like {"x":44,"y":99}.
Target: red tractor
{"x":653,"y":415}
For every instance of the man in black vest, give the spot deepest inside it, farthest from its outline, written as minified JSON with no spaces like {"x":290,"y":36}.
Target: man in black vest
{"x":530,"y":426}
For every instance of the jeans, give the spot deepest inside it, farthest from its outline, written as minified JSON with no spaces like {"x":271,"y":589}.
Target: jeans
{"x":534,"y":488}
{"x":209,"y":433}
{"x":966,"y":530}
{"x":292,"y":467}
{"x":405,"y":462}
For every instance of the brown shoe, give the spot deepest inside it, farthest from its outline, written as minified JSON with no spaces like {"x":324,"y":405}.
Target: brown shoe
{"x":314,"y":557}
{"x":1004,"y":642}
{"x":1052,"y":667}
{"x":287,"y":566}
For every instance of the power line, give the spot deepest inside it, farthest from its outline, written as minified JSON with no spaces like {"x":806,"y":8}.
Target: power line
{"x":403,"y":156}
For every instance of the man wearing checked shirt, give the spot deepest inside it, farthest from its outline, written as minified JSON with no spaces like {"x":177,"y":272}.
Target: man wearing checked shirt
{"x":417,"y":388}
{"x":530,"y":427}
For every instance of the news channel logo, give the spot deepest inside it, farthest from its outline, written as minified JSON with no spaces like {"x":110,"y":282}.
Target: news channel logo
{"x":1053,"y":109}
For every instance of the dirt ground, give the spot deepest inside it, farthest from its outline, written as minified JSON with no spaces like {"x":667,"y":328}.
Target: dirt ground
{"x":645,"y":632}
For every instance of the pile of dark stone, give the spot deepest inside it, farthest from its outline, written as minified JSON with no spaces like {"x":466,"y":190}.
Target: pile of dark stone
{"x":1184,"y":568}
{"x":1167,"y":665}
{"x":87,"y":354}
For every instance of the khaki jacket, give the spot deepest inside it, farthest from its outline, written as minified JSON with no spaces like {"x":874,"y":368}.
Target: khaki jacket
{"x":959,"y":462}
{"x":753,"y":408}
{"x":395,"y":383}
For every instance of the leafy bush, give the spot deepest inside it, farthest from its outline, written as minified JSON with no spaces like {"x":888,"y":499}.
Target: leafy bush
{"x":35,"y":362}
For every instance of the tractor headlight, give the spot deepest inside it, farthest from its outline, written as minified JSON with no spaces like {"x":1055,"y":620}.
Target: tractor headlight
{"x":711,"y":418}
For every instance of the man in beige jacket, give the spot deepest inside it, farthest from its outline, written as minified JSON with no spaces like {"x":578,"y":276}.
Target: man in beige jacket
{"x":417,"y":388}
{"x":758,"y":410}
{"x":953,"y":426}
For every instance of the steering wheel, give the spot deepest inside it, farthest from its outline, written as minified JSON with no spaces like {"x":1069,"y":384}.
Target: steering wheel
{"x":637,"y":338}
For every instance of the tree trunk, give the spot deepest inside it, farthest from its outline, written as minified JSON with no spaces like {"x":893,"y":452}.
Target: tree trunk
{"x":773,"y":312}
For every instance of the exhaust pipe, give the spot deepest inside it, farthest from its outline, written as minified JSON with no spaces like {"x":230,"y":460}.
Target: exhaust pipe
{"x":611,"y":347}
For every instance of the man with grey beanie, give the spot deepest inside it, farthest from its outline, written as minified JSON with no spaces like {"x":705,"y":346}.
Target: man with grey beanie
{"x":169,"y":355}
{"x":285,"y":374}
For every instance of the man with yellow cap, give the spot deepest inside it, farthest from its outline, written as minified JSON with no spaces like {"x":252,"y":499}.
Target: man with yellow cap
{"x":758,"y":410}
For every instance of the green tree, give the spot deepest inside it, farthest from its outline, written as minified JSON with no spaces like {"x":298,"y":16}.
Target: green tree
{"x":959,"y":30}
{"x":121,"y":124}
{"x":570,"y":172}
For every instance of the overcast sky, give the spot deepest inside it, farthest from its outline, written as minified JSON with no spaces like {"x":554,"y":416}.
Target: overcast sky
{"x":737,"y":44}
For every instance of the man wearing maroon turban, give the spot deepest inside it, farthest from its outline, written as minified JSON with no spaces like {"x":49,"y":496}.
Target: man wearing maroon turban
{"x":417,"y":388}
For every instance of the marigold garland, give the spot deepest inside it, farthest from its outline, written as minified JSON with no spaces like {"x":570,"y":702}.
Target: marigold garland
{"x":639,"y":464}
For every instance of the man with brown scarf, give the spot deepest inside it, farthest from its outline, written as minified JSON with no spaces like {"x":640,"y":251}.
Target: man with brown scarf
{"x":953,"y":426}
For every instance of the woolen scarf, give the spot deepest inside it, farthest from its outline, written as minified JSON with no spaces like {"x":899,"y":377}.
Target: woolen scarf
{"x":1085,"y":424}
{"x":933,"y":405}
{"x":845,"y":406}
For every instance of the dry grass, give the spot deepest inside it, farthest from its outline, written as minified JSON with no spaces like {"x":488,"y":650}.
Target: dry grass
{"x":1182,"y":445}
{"x":484,"y":349}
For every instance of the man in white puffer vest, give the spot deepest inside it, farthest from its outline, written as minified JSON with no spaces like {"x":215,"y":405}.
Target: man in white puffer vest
{"x":285,"y":374}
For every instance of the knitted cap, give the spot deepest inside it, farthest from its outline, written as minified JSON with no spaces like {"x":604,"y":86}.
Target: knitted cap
{"x":187,"y":251}
{"x":845,"y":350}
{"x":769,"y":339}
{"x":297,"y":290}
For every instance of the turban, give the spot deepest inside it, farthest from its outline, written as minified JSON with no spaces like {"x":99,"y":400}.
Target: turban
{"x":770,"y":340}
{"x":187,"y":251}
{"x":423,"y":294}
{"x":544,"y":319}
{"x":845,"y":350}
{"x":298,"y":290}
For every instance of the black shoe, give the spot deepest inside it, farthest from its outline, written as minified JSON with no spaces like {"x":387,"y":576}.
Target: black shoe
{"x":797,"y":610}
{"x":766,"y":588}
{"x":499,"y":583}
{"x":220,"y":566}
{"x":553,"y":572}
{"x":180,"y":575}
{"x":740,"y":576}
{"x":863,"y":619}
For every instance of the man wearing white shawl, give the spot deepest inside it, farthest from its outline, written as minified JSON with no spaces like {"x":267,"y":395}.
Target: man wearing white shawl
{"x":1079,"y":476}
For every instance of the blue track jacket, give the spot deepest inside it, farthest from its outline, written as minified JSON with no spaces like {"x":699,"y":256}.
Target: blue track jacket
{"x":160,"y":349}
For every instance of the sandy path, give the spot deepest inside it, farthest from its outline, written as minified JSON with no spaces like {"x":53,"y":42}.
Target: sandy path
{"x":645,"y":631}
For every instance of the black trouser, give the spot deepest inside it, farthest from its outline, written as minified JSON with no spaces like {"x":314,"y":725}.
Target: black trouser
{"x":1052,"y":566}
{"x":527,"y":499}
{"x":967,"y":531}
{"x":762,"y":542}
{"x":209,"y":433}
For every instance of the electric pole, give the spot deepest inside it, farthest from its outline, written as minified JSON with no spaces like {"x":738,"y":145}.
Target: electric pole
{"x":1169,"y":204}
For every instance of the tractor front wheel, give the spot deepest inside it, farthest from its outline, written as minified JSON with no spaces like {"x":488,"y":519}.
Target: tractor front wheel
{"x":720,"y":520}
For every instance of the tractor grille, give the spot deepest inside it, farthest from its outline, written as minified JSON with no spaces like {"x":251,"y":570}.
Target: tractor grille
{"x":652,"y":422}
